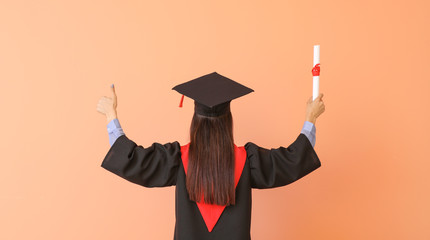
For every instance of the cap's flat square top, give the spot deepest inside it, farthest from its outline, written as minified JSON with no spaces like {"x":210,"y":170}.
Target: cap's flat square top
{"x":212,"y":89}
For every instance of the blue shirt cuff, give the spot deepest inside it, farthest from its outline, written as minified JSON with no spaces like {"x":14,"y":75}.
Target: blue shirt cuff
{"x":309,"y":130}
{"x":114,"y":130}
{"x":308,"y":126}
{"x":113,"y":125}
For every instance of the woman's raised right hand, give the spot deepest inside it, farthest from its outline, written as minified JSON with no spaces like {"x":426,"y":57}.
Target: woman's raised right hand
{"x":314,"y":108}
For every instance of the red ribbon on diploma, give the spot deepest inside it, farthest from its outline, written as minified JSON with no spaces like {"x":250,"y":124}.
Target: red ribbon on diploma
{"x":316,"y":70}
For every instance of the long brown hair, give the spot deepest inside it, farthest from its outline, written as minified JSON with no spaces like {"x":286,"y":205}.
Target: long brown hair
{"x":211,"y":160}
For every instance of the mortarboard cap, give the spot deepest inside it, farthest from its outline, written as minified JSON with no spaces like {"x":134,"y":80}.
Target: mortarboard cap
{"x":212,"y":93}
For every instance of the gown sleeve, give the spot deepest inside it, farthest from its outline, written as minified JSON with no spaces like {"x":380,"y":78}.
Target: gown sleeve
{"x":281,"y":166}
{"x":154,"y":166}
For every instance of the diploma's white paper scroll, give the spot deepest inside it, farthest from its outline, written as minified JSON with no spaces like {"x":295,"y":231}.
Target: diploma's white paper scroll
{"x":316,"y":79}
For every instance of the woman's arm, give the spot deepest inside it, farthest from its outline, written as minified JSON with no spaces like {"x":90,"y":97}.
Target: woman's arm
{"x":107,"y":106}
{"x":313,"y":110}
{"x":281,"y":166}
{"x":278,"y":167}
{"x":153,"y":166}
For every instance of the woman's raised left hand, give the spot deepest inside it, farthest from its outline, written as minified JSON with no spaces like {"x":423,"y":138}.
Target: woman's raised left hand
{"x":107,"y":105}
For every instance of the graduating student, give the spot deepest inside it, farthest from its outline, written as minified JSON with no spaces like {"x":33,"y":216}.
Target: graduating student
{"x":213,"y":177}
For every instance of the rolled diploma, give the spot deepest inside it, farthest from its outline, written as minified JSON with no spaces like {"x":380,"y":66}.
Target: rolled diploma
{"x":316,"y":79}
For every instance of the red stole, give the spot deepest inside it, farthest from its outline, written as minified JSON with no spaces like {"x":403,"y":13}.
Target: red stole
{"x":211,"y":212}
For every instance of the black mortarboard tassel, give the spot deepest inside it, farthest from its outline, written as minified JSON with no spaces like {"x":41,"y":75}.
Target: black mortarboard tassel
{"x":212,"y":93}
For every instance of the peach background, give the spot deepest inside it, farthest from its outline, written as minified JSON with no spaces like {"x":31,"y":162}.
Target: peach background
{"x":57,"y":58}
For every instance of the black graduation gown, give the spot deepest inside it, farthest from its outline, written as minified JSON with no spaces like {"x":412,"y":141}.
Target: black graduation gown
{"x":160,"y":165}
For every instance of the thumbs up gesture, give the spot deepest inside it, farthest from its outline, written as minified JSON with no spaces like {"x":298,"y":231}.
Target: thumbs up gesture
{"x":107,"y":105}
